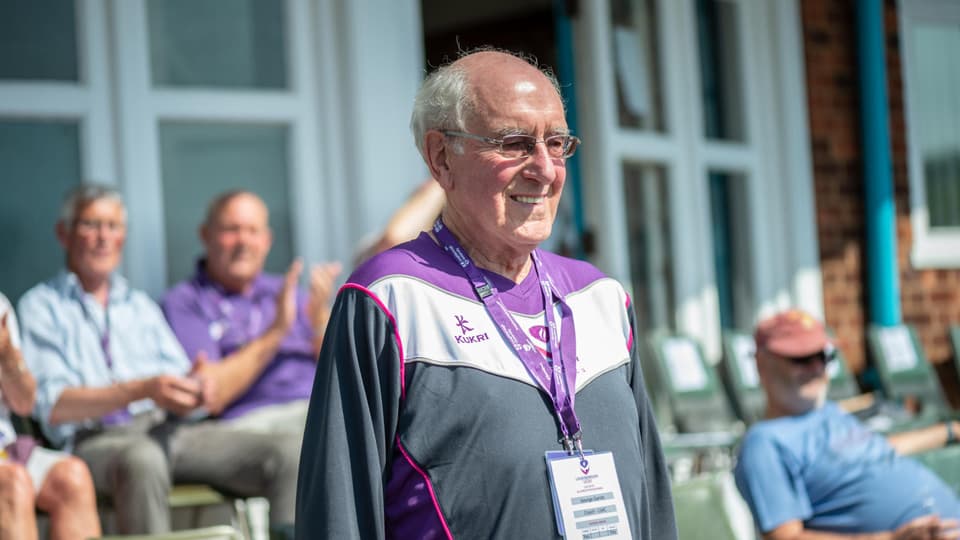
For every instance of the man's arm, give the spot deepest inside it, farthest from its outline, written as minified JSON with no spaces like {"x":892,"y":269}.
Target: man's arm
{"x":351,"y":427}
{"x":17,"y":385}
{"x":928,"y":438}
{"x":235,"y":373}
{"x":178,"y":395}
{"x":322,"y":278}
{"x":924,"y":527}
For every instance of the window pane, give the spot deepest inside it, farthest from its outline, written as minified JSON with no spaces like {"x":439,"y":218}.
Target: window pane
{"x":648,"y":228}
{"x":200,"y":161}
{"x":218,"y":43}
{"x":38,"y":40}
{"x":635,"y":52}
{"x":720,"y":70}
{"x":935,"y":100}
{"x":40,"y":162}
{"x":731,"y":248}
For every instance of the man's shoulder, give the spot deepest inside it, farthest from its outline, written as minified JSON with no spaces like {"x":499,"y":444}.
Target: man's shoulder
{"x":418,"y":258}
{"x":49,"y":292}
{"x":180,"y":290}
{"x":573,"y":276}
{"x":792,"y":431}
{"x":183,"y":293}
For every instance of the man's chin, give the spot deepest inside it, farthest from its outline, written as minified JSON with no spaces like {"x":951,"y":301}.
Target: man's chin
{"x":814,"y":401}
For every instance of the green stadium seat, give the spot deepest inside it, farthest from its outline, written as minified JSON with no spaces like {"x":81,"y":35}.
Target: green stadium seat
{"x":904,"y":372}
{"x":709,"y":506}
{"x":219,"y":532}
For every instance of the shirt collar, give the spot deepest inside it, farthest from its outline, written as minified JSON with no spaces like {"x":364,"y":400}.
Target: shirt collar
{"x":119,"y":288}
{"x":202,"y":278}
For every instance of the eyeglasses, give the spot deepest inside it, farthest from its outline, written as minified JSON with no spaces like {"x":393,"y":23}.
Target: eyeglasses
{"x":826,"y":356}
{"x":94,"y":225}
{"x":521,"y":146}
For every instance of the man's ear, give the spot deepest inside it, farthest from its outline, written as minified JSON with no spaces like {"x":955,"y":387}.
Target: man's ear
{"x":62,"y":234}
{"x":205,"y":232}
{"x":435,"y":151}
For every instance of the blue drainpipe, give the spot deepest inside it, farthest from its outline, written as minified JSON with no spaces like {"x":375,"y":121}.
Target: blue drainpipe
{"x":879,"y":211}
{"x":565,"y":76}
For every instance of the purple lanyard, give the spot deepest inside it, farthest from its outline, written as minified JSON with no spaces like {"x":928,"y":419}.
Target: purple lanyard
{"x":105,"y":335}
{"x":557,"y":377}
{"x":121,"y":415}
{"x":105,"y":344}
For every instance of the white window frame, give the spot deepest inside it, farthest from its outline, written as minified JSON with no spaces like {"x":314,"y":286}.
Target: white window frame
{"x":931,"y":248}
{"x":142,"y":107}
{"x":86,"y":102}
{"x":775,"y":158}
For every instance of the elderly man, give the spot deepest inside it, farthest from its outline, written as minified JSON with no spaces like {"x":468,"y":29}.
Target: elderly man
{"x":54,"y":482}
{"x":459,"y":367}
{"x":257,"y":334}
{"x":810,"y":470}
{"x":114,"y":385}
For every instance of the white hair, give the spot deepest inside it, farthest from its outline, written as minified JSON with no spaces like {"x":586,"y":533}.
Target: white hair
{"x":445,"y":98}
{"x":84,"y":194}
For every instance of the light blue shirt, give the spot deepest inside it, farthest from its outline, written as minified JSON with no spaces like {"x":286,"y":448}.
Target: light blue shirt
{"x":827,"y":470}
{"x":66,"y":333}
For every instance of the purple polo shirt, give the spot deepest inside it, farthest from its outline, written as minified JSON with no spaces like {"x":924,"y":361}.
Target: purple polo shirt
{"x":207,"y":318}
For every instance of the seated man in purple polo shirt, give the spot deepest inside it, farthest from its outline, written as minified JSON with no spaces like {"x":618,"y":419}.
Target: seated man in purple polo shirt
{"x":254,"y":333}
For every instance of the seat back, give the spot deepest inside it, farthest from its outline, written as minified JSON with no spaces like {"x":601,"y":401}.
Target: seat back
{"x":688,"y":385}
{"x":903,"y":368}
{"x":843,"y":385}
{"x":739,"y":372}
{"x":945,"y":462}
{"x":218,"y":532}
{"x":709,"y":506}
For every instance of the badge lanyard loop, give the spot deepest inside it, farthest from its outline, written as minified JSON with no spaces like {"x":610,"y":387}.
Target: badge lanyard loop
{"x":557,"y":378}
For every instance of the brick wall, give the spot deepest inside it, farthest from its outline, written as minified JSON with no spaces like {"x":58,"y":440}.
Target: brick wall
{"x":930,"y":298}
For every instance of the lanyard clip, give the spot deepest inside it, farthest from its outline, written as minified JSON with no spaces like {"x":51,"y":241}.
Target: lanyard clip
{"x":567,"y":443}
{"x":485,"y":290}
{"x":573,"y":444}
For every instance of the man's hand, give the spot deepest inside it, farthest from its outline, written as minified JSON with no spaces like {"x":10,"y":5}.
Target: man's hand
{"x":179,"y":395}
{"x":200,"y":372}
{"x":287,"y":298}
{"x":928,"y":527}
{"x":322,"y":278}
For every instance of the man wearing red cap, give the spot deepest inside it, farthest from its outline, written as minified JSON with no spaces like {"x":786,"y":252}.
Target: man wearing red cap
{"x":809,"y":469}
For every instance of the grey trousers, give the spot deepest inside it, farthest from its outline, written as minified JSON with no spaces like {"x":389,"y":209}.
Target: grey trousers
{"x":137,"y":463}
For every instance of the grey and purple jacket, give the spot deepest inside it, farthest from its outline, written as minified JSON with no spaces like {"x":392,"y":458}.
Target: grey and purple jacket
{"x":424,"y":423}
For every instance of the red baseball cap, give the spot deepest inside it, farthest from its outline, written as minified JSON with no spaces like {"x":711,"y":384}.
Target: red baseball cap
{"x":791,"y":333}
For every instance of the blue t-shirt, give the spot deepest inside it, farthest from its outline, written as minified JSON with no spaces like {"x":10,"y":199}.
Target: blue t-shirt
{"x":829,"y":471}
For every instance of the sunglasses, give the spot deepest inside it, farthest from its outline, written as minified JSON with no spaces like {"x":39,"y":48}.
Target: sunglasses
{"x":826,"y":356}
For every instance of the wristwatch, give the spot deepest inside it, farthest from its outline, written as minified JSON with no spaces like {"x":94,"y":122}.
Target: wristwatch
{"x":951,"y":434}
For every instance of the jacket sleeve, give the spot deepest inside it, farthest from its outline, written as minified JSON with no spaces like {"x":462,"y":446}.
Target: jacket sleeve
{"x":351,"y":424}
{"x":659,"y":521}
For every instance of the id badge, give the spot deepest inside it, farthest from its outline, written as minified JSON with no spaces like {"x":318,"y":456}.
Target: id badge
{"x":587,"y":500}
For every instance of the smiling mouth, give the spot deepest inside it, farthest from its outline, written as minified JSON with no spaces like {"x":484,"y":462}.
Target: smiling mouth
{"x":527,"y":200}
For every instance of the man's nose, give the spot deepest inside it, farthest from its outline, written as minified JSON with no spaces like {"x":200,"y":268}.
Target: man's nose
{"x":541,"y":165}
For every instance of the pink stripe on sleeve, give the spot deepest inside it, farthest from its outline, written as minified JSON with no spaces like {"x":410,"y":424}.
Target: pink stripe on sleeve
{"x":396,"y":332}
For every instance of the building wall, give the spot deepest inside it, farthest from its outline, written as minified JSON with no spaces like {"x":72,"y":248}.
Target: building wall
{"x":930,"y":298}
